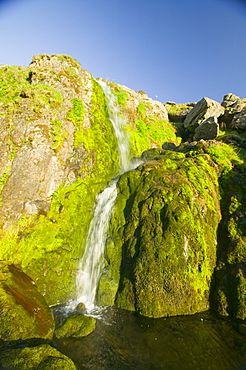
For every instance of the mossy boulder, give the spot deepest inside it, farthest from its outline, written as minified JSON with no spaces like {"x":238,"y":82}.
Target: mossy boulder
{"x":43,"y":357}
{"x":24,"y":312}
{"x":76,"y":326}
{"x":162,"y":244}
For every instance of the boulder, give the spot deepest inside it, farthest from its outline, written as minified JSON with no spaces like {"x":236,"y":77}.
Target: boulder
{"x":162,"y":249}
{"x":233,"y":105}
{"x":43,"y":357}
{"x":208,"y":130}
{"x":239,"y":120}
{"x":204,"y":109}
{"x":76,"y":326}
{"x":25,"y":314}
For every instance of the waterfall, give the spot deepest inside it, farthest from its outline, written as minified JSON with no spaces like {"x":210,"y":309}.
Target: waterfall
{"x":118,"y":122}
{"x":91,"y":264}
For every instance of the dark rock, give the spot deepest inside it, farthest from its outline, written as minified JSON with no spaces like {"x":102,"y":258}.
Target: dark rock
{"x":208,"y":130}
{"x":239,"y":120}
{"x":81,"y":308}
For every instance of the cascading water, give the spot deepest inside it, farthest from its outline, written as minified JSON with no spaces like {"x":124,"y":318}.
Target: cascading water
{"x":91,"y":264}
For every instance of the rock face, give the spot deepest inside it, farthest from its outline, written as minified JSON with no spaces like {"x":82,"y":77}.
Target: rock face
{"x":204,"y":109}
{"x":58,"y":150}
{"x":176,"y":242}
{"x":25,"y":314}
{"x":162,"y":269}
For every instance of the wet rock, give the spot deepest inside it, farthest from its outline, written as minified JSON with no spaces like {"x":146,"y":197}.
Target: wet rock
{"x":80,"y":308}
{"x":43,"y":357}
{"x":25,"y":314}
{"x":204,"y":109}
{"x":76,"y":326}
{"x":208,"y":130}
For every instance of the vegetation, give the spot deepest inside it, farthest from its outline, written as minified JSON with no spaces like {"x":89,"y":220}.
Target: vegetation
{"x":121,"y":95}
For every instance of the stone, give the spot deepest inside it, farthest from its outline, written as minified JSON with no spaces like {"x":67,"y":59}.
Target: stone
{"x":208,"y":130}
{"x":25,"y":314}
{"x":80,"y":308}
{"x":204,"y":109}
{"x":233,"y":105}
{"x":76,"y":326}
{"x":42,"y":357}
{"x":230,"y":100}
{"x":239,"y":120}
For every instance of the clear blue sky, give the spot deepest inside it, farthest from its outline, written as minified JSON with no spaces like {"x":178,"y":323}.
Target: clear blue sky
{"x":174,"y":50}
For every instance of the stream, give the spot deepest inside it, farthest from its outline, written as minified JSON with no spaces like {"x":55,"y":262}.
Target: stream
{"x":125,"y":340}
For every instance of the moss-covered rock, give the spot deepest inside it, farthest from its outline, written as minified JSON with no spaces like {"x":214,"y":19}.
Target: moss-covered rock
{"x":58,"y":150}
{"x":43,"y":357}
{"x":162,"y":248}
{"x":24,"y":312}
{"x":76,"y":326}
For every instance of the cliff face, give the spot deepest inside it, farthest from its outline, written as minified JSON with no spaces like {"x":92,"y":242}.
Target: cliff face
{"x":58,"y":150}
{"x":176,"y":242}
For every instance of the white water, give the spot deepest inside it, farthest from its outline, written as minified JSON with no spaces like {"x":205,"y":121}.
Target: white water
{"x":118,"y":123}
{"x":91,"y":264}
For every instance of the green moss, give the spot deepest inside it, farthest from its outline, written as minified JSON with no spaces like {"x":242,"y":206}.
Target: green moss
{"x":43,"y":357}
{"x":177,"y":108}
{"x":160,"y":269}
{"x":3,"y":180}
{"x":121,"y":95}
{"x":69,"y":59}
{"x":76,"y":115}
{"x":48,"y":247}
{"x":58,"y":135}
{"x":225,"y":156}
{"x":76,"y":326}
{"x":24,"y":312}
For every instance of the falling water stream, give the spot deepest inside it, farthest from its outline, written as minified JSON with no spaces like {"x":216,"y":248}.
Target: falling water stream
{"x":91,"y":264}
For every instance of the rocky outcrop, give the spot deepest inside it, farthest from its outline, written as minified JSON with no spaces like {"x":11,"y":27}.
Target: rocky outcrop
{"x":203,"y":110}
{"x":156,"y":267}
{"x":233,"y":105}
{"x":25,"y":314}
{"x":58,"y":150}
{"x":162,"y":268}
